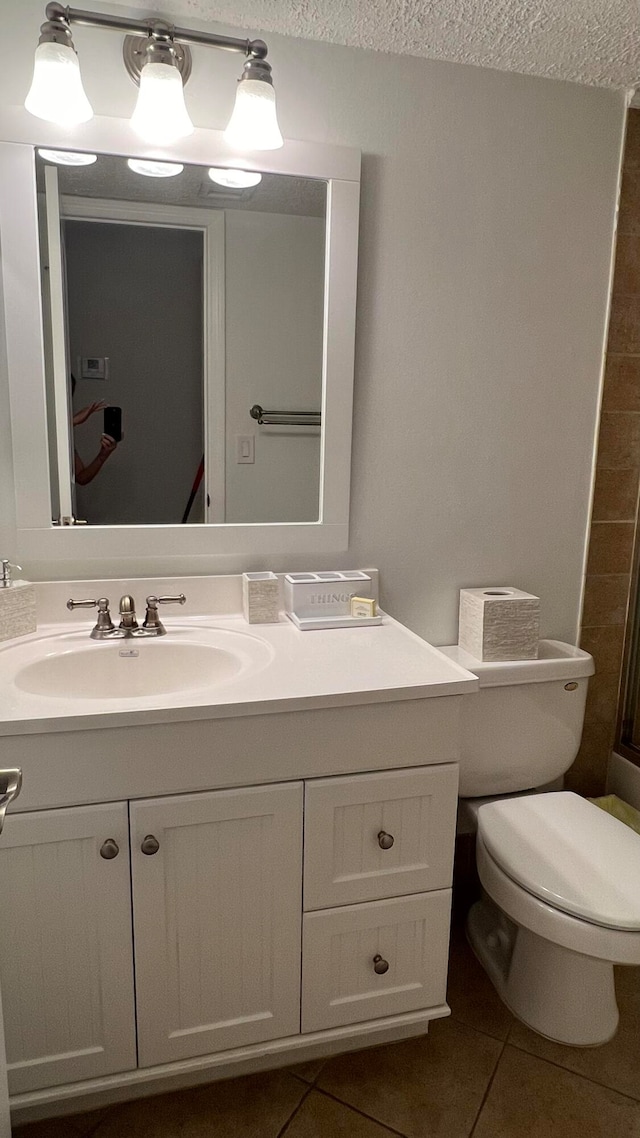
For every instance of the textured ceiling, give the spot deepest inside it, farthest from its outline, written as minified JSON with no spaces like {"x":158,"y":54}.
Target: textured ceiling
{"x":587,"y":41}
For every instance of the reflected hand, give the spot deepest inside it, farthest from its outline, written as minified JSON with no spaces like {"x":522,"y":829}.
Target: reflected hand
{"x":85,"y":413}
{"x":107,"y":446}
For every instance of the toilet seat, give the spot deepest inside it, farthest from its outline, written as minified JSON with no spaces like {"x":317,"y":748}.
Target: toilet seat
{"x":568,"y":853}
{"x":621,"y":946}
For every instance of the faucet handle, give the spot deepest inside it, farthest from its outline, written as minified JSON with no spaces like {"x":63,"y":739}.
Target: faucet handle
{"x":152,"y":620}
{"x":104,"y":622}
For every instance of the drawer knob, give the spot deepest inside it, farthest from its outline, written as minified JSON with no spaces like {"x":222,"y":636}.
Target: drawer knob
{"x":109,"y":849}
{"x":150,"y":845}
{"x":385,"y":841}
{"x":380,"y":965}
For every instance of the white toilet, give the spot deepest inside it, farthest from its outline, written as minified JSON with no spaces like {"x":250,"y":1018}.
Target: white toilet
{"x":561,"y":878}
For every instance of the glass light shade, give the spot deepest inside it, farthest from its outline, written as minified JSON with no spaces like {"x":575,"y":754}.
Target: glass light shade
{"x":254,"y":123}
{"x":234,"y":179}
{"x":151,"y":169}
{"x":68,"y":157}
{"x":56,"y":93}
{"x":161,"y":115}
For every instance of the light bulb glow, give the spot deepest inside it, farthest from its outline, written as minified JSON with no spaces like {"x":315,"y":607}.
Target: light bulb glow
{"x":234,"y":179}
{"x":56,"y":93}
{"x":254,"y":124}
{"x":150,"y":169}
{"x":161,"y":116}
{"x":68,"y":157}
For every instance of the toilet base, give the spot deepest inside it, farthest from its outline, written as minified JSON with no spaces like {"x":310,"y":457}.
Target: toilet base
{"x":563,"y":995}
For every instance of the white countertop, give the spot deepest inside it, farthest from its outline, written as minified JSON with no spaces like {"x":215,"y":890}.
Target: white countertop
{"x":292,"y":671}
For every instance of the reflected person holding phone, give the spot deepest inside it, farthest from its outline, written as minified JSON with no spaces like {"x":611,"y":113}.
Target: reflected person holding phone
{"x":85,"y":473}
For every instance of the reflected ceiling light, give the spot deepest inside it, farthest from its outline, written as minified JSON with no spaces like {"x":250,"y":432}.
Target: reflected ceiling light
{"x":157,"y":57}
{"x":254,"y":122}
{"x":234,"y":179}
{"x":154,"y":169}
{"x":68,"y":157}
{"x":56,"y":93}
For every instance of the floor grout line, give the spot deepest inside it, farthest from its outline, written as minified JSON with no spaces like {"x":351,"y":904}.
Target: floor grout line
{"x":487,"y":1090}
{"x":111,"y":1110}
{"x":578,"y":1074}
{"x":283,"y":1129}
{"x":480,"y":1030}
{"x":362,"y":1113}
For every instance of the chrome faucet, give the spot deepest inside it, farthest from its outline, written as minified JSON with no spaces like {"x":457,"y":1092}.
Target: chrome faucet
{"x":127,"y":609}
{"x":105,"y":629}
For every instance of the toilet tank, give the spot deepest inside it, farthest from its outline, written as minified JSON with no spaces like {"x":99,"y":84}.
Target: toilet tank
{"x":523,"y":728}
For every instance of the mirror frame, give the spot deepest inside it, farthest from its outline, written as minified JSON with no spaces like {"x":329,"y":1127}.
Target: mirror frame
{"x":39,"y":540}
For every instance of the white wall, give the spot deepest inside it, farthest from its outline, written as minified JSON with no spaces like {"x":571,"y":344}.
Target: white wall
{"x":274,"y":281}
{"x":487,"y":215}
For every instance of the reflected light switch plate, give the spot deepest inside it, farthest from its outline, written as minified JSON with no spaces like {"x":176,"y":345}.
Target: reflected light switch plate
{"x":245,"y":448}
{"x":94,"y":367}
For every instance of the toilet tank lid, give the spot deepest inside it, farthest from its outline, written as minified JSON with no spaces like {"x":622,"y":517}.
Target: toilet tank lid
{"x":569,"y":853}
{"x":556,"y":661}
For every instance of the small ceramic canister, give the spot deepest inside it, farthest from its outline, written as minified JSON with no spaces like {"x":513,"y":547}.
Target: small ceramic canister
{"x":261,"y":598}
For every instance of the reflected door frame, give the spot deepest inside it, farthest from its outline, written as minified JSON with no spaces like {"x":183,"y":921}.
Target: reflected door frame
{"x":211,"y":224}
{"x":5,"y":1119}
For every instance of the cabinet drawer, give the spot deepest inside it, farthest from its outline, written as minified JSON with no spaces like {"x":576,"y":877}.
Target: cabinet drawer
{"x":349,"y":822}
{"x":342,"y":948}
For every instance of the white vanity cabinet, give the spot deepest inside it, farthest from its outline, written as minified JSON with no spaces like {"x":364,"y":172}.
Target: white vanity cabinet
{"x":66,"y":968}
{"x":264,"y":924}
{"x":386,"y":840}
{"x":217,"y":909}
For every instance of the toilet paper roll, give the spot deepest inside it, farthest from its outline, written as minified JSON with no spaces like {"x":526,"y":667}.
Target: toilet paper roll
{"x":499,"y":623}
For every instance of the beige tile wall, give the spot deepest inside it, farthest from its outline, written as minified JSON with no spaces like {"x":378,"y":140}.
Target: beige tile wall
{"x":614,"y":518}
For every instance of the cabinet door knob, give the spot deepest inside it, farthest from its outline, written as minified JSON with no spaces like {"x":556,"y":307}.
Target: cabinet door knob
{"x":109,"y":849}
{"x":150,"y":845}
{"x":385,"y":841}
{"x":380,"y":965}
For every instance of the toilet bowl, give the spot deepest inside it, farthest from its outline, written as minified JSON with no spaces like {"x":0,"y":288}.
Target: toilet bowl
{"x":561,"y":878}
{"x":561,"y":906}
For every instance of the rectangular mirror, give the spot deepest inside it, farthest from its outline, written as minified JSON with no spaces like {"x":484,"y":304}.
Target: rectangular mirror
{"x":216,"y":325}
{"x":185,"y":306}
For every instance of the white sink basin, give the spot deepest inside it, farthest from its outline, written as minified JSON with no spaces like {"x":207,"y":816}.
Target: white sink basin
{"x":210,"y":667}
{"x":73,"y":667}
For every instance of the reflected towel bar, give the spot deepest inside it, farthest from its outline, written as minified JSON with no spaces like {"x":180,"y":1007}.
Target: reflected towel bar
{"x":285,"y":418}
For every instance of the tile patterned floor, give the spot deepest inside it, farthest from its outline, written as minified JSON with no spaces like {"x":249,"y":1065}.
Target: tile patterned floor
{"x":479,"y":1074}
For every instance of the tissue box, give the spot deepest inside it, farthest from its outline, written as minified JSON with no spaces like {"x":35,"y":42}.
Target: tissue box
{"x":261,"y":598}
{"x":325,"y":594}
{"x":17,"y":610}
{"x":499,"y":623}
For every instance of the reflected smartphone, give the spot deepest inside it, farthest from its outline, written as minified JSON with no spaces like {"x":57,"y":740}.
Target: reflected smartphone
{"x":113,"y":422}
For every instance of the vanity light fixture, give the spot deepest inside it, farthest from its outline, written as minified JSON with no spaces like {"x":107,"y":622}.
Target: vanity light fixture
{"x":68,"y":157}
{"x":160,"y":115}
{"x":254,"y":123}
{"x":56,"y":93}
{"x":234,"y":179}
{"x":154,"y":169}
{"x":161,"y":66}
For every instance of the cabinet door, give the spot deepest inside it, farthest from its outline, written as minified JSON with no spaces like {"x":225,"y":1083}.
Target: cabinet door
{"x":217,"y":911}
{"x":379,"y":835}
{"x":66,"y":955}
{"x":380,"y":959}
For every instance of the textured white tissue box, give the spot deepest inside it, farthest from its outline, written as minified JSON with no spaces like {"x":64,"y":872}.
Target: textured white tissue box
{"x":261,"y":598}
{"x":499,"y":623}
{"x":17,"y":610}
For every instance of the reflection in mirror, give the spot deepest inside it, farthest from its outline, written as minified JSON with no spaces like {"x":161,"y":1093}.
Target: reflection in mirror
{"x":174,"y":305}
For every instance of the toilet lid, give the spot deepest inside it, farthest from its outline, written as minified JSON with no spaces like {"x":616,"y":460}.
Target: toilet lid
{"x":569,"y":853}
